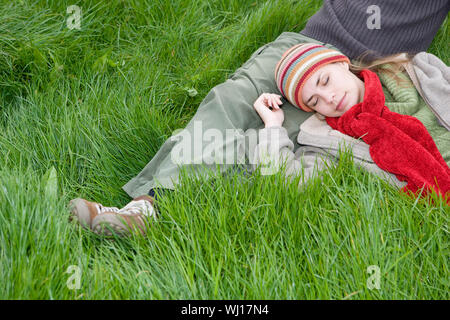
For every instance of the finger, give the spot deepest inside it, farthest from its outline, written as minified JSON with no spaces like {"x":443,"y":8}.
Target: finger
{"x":279,"y":100}
{"x":260,"y":100}
{"x":257,"y":104}
{"x":274,"y":103}
{"x":271,"y":103}
{"x":277,"y":97}
{"x":261,"y":109}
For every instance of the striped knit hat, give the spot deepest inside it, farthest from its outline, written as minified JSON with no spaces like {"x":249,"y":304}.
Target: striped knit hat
{"x":296,"y":66}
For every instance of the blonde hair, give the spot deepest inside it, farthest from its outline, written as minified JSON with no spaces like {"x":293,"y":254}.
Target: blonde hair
{"x":391,"y":65}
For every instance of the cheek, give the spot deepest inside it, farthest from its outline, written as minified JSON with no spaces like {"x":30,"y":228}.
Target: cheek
{"x":351,"y":83}
{"x":344,"y":86}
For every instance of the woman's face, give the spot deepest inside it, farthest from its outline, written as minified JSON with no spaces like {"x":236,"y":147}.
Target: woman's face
{"x":332,"y":90}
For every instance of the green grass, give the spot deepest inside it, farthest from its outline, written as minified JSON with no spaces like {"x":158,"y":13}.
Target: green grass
{"x":97,"y":103}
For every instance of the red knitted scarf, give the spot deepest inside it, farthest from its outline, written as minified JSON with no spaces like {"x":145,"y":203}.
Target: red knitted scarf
{"x":399,"y":144}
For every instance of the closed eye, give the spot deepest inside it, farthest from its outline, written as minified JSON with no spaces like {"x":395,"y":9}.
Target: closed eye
{"x":325,"y":83}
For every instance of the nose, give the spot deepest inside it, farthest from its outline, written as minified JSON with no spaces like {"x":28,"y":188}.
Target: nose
{"x":329,"y":96}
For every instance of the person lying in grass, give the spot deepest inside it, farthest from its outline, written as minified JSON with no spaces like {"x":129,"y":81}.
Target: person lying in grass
{"x":315,"y":78}
{"x":96,"y":216}
{"x":339,"y":24}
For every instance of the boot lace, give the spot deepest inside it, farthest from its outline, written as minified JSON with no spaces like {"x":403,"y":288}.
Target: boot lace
{"x":138,"y":207}
{"x":101,"y":209}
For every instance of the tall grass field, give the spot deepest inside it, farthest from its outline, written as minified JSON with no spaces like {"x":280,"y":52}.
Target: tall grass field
{"x":82,"y":111}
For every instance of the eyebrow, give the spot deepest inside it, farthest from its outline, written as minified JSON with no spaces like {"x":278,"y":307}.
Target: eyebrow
{"x":317,"y":83}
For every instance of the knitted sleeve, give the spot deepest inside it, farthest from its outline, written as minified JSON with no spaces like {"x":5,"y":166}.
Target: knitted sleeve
{"x":275,"y":151}
{"x":356,"y":27}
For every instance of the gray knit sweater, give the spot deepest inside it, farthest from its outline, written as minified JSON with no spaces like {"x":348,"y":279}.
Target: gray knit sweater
{"x":404,"y":25}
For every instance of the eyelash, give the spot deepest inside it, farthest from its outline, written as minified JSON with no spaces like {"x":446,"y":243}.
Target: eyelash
{"x":326,"y":82}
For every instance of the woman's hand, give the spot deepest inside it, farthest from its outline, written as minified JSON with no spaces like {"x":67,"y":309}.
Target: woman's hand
{"x":267,"y":107}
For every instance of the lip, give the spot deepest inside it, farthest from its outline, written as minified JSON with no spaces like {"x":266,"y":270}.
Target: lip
{"x":341,"y":103}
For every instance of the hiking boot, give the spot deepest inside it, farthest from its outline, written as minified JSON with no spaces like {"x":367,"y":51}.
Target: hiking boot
{"x":108,"y":220}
